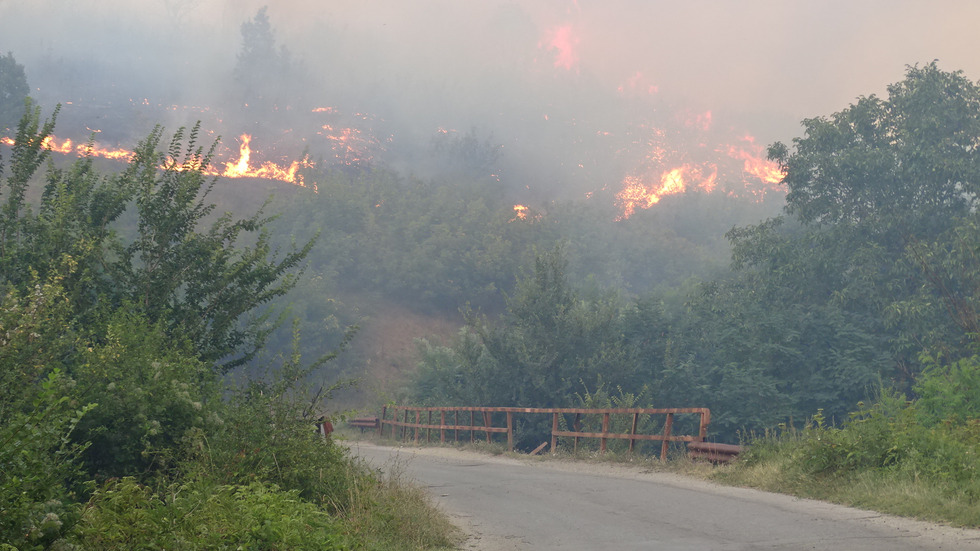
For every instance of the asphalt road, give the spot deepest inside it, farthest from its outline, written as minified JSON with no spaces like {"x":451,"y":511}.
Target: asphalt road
{"x":508,"y":504}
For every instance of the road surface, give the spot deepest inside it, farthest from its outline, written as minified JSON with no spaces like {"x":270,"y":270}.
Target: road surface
{"x":508,"y":504}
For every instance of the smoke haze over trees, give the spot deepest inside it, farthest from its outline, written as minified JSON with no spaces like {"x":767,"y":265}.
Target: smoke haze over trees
{"x":568,"y":90}
{"x":453,"y":145}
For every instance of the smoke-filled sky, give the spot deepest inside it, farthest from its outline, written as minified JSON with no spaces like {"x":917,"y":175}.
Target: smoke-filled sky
{"x":548,"y":79}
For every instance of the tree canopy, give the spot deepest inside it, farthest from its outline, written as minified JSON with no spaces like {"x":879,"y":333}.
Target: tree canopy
{"x":869,"y":278}
{"x":13,"y":91}
{"x":910,"y":157}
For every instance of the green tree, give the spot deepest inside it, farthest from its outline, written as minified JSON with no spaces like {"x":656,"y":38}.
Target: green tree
{"x":266,"y":75}
{"x":550,"y":341}
{"x":13,"y":91}
{"x":876,"y":186}
{"x":184,"y":266}
{"x":199,"y":281}
{"x":909,"y":160}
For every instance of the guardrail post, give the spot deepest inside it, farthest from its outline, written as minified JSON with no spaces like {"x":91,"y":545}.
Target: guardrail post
{"x":487,"y":419}
{"x":401,"y":425}
{"x":554,"y":431}
{"x":605,"y":431}
{"x":381,"y":423}
{"x":636,"y":417}
{"x":510,"y":431}
{"x":667,"y":427}
{"x":442,"y":426}
{"x":472,"y":424}
{"x":428,"y":428}
{"x":418,"y":421}
{"x":705,"y":419}
{"x":576,"y":427}
{"x":405,"y":427}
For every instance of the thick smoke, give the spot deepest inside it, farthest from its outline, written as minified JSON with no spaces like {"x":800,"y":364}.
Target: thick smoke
{"x":573,"y":96}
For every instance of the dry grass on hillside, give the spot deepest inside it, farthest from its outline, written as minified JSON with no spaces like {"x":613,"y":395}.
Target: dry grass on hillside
{"x":387,"y":342}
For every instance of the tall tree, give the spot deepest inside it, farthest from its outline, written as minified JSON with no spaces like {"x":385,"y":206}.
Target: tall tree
{"x":909,"y":160}
{"x":871,"y":186}
{"x":13,"y":91}
{"x":265,"y":73}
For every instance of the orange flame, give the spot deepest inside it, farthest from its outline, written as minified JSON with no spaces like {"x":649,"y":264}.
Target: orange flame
{"x":269,"y":170}
{"x":349,"y":145}
{"x":240,"y":168}
{"x":667,"y":171}
{"x":523,"y":212}
{"x":637,"y":194}
{"x":87,"y":149}
{"x":564,"y":43}
{"x":755,"y":164}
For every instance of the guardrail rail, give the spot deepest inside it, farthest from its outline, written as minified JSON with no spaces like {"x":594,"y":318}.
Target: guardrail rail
{"x":418,"y":421}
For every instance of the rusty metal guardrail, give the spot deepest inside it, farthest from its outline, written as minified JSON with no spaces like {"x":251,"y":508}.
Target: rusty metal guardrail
{"x":401,"y":421}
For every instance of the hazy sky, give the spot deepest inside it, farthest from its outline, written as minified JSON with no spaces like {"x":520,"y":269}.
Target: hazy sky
{"x":781,"y":59}
{"x":758,"y":66}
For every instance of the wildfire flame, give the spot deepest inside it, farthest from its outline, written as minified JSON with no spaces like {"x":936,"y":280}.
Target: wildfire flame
{"x":660,"y":174}
{"x":638,"y":194}
{"x":564,"y":43}
{"x":754,"y":164}
{"x":523,"y":212}
{"x":87,"y":149}
{"x":240,"y":168}
{"x":269,"y":170}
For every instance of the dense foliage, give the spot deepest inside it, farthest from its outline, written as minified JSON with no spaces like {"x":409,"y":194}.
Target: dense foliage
{"x":125,"y":298}
{"x":13,"y":91}
{"x":917,"y":458}
{"x":441,"y":246}
{"x":872,"y":266}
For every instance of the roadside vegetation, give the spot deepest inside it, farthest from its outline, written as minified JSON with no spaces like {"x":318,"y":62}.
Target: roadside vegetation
{"x":919,"y":459}
{"x":126,"y":308}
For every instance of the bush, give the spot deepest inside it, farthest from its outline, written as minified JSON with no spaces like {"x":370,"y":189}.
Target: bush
{"x":152,"y":393}
{"x":124,"y":514}
{"x":262,"y":438}
{"x":885,"y":437}
{"x":265,"y":431}
{"x":949,"y":393}
{"x":39,"y":467}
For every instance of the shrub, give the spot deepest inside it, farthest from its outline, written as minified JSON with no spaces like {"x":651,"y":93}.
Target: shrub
{"x":949,"y":393}
{"x":152,"y":392}
{"x":39,"y":467}
{"x":260,"y":437}
{"x":124,"y":514}
{"x":265,"y":431}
